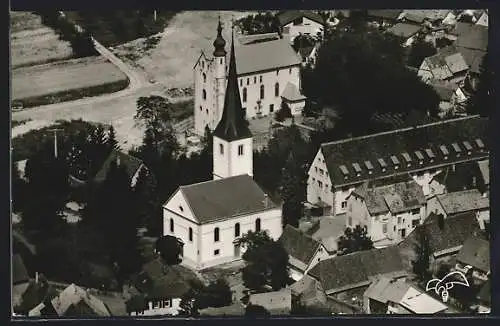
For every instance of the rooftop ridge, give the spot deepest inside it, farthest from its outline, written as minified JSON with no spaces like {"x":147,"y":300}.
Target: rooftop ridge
{"x":213,"y":181}
{"x":398,"y":130}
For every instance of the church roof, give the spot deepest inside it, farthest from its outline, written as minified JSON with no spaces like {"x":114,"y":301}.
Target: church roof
{"x":232,"y":125}
{"x":225,"y":198}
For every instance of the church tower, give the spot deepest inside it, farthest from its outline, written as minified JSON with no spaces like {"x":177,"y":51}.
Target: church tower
{"x":233,"y":143}
{"x":219,"y":72}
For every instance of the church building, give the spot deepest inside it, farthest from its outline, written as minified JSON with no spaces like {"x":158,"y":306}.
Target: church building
{"x":209,"y":217}
{"x":266,"y":66}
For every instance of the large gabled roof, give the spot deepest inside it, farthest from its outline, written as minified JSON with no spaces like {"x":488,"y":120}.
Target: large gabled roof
{"x":471,"y":36}
{"x":298,"y":245}
{"x":475,"y":252}
{"x":463,"y":201}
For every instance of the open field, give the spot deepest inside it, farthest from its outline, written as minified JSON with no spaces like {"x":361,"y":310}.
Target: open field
{"x":63,"y":76}
{"x":33,"y":43}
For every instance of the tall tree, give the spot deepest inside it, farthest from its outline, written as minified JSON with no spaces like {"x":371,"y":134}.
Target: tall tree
{"x":354,"y":240}
{"x":423,"y":252}
{"x":481,"y":102}
{"x":147,"y":202}
{"x":420,"y":50}
{"x":293,"y":188}
{"x":170,"y":249}
{"x":154,"y":112}
{"x":112,"y":142}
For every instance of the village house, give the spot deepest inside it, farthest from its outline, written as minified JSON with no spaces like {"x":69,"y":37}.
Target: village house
{"x":264,"y":69}
{"x":448,"y":65}
{"x":448,"y":93}
{"x":209,"y":217}
{"x":132,"y":165}
{"x":160,"y":290}
{"x":327,"y":231}
{"x":386,"y":296}
{"x":304,"y":252}
{"x":445,"y":236}
{"x":407,"y":32}
{"x":458,"y":202}
{"x":346,"y":277}
{"x":389,"y":213}
{"x":309,"y":293}
{"x":421,"y":152}
{"x":296,"y":22}
{"x":474,"y":259}
{"x":277,"y":302}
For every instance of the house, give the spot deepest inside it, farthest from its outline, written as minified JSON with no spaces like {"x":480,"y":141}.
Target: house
{"x":474,"y":259}
{"x":389,"y":213}
{"x":447,"y":65}
{"x":346,"y":277}
{"x":447,"y":93}
{"x":304,"y":252}
{"x":132,"y":166}
{"x":264,"y":68}
{"x":445,"y":236}
{"x":386,"y":296}
{"x":384,"y":17}
{"x":471,"y":36}
{"x":484,"y":298}
{"x":328,"y":230}
{"x":277,"y":302}
{"x":292,"y":97}
{"x":458,"y":202}
{"x":160,"y":290}
{"x":459,"y":177}
{"x":234,"y":310}
{"x":309,"y":292}
{"x":422,"y":151}
{"x":407,"y":32}
{"x":73,"y":301}
{"x":296,"y":22}
{"x":209,"y":217}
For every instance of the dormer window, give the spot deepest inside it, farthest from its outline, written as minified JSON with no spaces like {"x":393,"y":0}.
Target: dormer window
{"x":382,"y":164}
{"x":468,"y":147}
{"x":420,"y":157}
{"x":357,"y":169}
{"x":444,"y":151}
{"x":457,"y":149}
{"x":407,"y":159}
{"x":430,"y":154}
{"x":395,"y":162}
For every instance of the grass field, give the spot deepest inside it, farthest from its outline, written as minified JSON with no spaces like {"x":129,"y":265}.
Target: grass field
{"x":33,"y":43}
{"x":63,"y":76}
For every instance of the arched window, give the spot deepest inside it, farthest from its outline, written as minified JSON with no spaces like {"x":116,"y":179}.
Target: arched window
{"x":204,"y":78}
{"x":172,"y":225}
{"x":216,"y":234}
{"x":277,"y":89}
{"x":257,"y":225}
{"x":244,"y":94}
{"x":237,"y":230}
{"x":190,"y":234}
{"x":204,"y":94}
{"x":221,"y":149}
{"x":261,"y":92}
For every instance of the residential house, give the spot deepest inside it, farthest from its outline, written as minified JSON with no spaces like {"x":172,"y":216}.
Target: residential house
{"x":346,"y":277}
{"x":132,"y":166}
{"x":459,"y":177}
{"x":160,"y":290}
{"x":474,"y":259}
{"x":304,"y":252}
{"x":296,"y":22}
{"x":73,"y":301}
{"x":458,"y":202}
{"x":448,"y":65}
{"x":387,"y":296}
{"x":447,"y":93}
{"x":422,"y":151}
{"x":264,"y":68}
{"x":484,"y":298}
{"x":277,"y":302}
{"x":384,"y":17}
{"x":389,"y":213}
{"x":407,"y":32}
{"x":234,"y":310}
{"x":328,"y":230}
{"x":309,"y":292}
{"x":445,"y":236}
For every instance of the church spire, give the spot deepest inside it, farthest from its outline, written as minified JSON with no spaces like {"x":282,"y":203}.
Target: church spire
{"x":232,"y":125}
{"x":219,"y":42}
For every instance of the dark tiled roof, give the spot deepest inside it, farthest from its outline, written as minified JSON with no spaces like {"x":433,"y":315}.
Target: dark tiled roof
{"x":130,"y":163}
{"x":475,"y":252}
{"x":384,"y":145}
{"x":288,"y":16}
{"x":19,"y":271}
{"x":463,"y":201}
{"x":472,"y":57}
{"x":392,"y":14}
{"x":225,"y":198}
{"x":298,"y":245}
{"x":404,"y":30}
{"x":343,"y":271}
{"x":444,"y":90}
{"x":471,"y":36}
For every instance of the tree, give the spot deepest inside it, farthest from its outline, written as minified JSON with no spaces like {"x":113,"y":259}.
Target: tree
{"x":147,"y":203}
{"x":481,"y":102}
{"x":420,"y":50}
{"x":216,"y":294}
{"x":302,"y":41}
{"x":170,"y":249}
{"x":354,"y":240}
{"x":293,"y":189}
{"x":154,"y":112}
{"x":283,"y":113}
{"x":423,"y":252}
{"x":112,"y":142}
{"x":443,"y":42}
{"x":266,"y":262}
{"x":256,"y":311}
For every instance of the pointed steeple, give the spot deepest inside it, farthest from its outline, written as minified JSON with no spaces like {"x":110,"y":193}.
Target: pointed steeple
{"x":219,"y":42}
{"x":232,"y":125}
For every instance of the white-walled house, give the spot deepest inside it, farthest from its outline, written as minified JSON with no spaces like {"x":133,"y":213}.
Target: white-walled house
{"x":389,"y":213}
{"x":264,"y":68}
{"x":296,"y":22}
{"x":420,"y":152}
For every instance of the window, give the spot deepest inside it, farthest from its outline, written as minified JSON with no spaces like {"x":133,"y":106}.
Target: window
{"x":350,"y":221}
{"x":244,"y":94}
{"x":221,"y":149}
{"x":216,"y":252}
{"x":384,"y":228}
{"x":220,"y":61}
{"x":255,"y":79}
{"x":237,"y":230}
{"x":261,"y":92}
{"x":257,"y":225}
{"x":260,"y":78}
{"x":277,"y":89}
{"x":171,"y":225}
{"x":290,"y":71}
{"x":248,"y":81}
{"x":321,"y":171}
{"x":316,"y":169}
{"x":204,"y":94}
{"x":344,"y":204}
{"x":241,"y":82}
{"x":204,"y":78}
{"x":414,"y":223}
{"x":206,"y":111}
{"x":191,"y":234}
{"x":320,"y":184}
{"x":415,"y":211}
{"x":399,"y":220}
{"x":216,"y":235}
{"x":240,"y":150}
{"x":202,"y":64}
{"x":181,"y":208}
{"x":403,"y":233}
{"x":201,"y":109}
{"x":271,"y":108}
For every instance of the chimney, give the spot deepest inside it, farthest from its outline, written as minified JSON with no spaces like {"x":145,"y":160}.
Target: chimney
{"x":266,"y":200}
{"x":36,"y":277}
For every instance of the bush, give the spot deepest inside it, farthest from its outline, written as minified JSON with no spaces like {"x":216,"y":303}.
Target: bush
{"x":283,"y":113}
